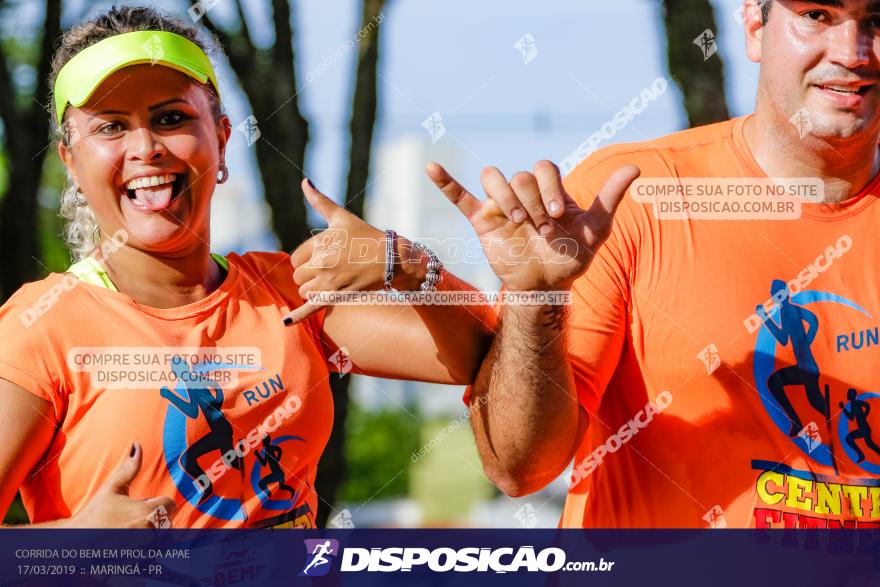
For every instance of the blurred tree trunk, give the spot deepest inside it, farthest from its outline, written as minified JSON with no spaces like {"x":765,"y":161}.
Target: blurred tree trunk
{"x":699,"y":74}
{"x":331,"y":473}
{"x":268,"y":77}
{"x":26,"y":127}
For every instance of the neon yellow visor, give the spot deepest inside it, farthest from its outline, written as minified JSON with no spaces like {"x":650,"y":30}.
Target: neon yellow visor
{"x":81,"y":76}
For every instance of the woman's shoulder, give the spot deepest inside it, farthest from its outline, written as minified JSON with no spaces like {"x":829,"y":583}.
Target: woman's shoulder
{"x":269,"y":260}
{"x":270,"y":268}
{"x":33,"y":324}
{"x":263,"y":264}
{"x":37,"y":324}
{"x":34,"y":299}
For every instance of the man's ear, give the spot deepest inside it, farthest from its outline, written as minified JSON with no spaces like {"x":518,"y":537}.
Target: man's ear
{"x":754,"y":28}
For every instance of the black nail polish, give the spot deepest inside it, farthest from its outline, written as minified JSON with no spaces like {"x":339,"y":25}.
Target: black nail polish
{"x":311,"y":185}
{"x":132,"y":451}
{"x":288,"y":320}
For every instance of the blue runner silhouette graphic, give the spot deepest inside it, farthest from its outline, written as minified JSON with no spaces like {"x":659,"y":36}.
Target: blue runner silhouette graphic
{"x":209,"y":402}
{"x":858,"y":413}
{"x":805,"y":372}
{"x":271,"y":456}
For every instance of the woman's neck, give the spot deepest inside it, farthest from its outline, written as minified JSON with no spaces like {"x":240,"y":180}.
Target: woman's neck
{"x":163,"y":281}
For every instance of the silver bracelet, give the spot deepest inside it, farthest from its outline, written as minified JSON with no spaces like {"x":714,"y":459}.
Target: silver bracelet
{"x":390,"y":258}
{"x":434,"y":276}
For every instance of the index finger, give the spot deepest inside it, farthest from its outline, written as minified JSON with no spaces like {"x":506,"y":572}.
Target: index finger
{"x":299,"y":314}
{"x":454,"y":191}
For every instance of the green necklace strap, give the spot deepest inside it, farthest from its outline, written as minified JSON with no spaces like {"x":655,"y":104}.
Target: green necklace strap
{"x":221,"y":260}
{"x":90,"y":271}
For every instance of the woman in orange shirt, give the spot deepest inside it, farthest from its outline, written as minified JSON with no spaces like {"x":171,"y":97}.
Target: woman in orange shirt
{"x":153,"y":346}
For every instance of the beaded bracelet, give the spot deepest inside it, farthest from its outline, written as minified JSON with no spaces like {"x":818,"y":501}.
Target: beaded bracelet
{"x":433,"y":277}
{"x":390,"y":258}
{"x":435,"y":266}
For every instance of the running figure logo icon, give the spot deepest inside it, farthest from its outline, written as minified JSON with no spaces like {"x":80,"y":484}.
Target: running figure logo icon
{"x":706,"y":42}
{"x":796,"y":327}
{"x":320,"y":554}
{"x":858,"y":412}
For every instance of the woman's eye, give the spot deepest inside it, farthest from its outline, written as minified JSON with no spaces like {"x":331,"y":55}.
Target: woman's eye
{"x":109,"y":128}
{"x":171,"y":118}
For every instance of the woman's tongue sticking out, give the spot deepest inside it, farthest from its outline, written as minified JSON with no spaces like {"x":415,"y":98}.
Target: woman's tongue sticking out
{"x":155,"y":197}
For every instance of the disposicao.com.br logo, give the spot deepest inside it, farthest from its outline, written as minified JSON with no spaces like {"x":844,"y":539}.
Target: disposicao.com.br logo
{"x":444,"y":559}
{"x":320,"y":555}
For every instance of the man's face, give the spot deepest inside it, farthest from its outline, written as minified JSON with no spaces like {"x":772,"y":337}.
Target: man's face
{"x":823,"y":57}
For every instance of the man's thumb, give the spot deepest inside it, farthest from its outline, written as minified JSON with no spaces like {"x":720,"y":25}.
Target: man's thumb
{"x":127,"y":471}
{"x":323,"y":205}
{"x":615,"y":187}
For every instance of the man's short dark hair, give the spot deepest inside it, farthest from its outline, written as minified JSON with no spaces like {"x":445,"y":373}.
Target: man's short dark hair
{"x":765,"y":10}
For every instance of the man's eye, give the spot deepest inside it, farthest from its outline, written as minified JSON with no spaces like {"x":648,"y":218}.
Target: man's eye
{"x":874,"y":21}
{"x":815,"y":15}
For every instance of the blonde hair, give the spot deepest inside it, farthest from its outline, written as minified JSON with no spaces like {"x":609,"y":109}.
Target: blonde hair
{"x":81,"y":227}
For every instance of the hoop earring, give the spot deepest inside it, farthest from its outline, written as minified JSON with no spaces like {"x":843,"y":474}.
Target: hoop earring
{"x":223,"y":173}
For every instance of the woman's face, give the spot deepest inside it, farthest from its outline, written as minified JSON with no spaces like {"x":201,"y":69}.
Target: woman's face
{"x":148,"y":121}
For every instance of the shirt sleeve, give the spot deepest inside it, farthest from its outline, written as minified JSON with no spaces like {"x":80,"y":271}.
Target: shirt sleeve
{"x":598,"y":325}
{"x":602,"y":298}
{"x":28,"y":357}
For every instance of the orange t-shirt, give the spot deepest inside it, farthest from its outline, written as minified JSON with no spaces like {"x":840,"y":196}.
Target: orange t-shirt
{"x":232,"y":408}
{"x":686,"y":383}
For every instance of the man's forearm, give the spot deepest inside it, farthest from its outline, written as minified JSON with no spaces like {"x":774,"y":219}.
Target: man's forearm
{"x":525,"y":410}
{"x":462,"y":333}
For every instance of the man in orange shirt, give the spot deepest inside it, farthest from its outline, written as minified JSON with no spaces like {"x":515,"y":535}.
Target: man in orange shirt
{"x":680,"y":404}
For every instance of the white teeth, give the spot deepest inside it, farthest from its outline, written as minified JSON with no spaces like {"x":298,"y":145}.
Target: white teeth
{"x":152,"y":180}
{"x":843,"y":89}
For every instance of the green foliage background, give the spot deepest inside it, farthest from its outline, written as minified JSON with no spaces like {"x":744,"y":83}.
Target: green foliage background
{"x":378,"y":448}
